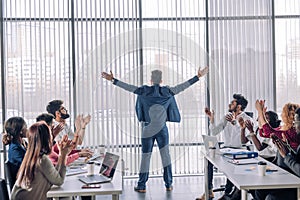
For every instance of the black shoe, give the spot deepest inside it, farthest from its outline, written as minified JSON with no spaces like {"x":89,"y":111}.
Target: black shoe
{"x":236,"y":195}
{"x":225,"y":197}
{"x":139,"y":190}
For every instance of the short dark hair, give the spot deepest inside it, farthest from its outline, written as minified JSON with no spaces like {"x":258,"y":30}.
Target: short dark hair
{"x":273,"y":119}
{"x":54,"y":106}
{"x":47,"y":117}
{"x":156,"y":76}
{"x":297,"y":111}
{"x":241,"y":100}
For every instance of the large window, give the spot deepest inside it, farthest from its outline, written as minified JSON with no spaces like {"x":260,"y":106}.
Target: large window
{"x":57,"y":50}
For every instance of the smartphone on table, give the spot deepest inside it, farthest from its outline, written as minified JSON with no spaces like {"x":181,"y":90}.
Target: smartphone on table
{"x":91,"y":186}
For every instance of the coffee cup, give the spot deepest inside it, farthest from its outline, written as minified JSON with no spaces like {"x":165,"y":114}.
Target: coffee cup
{"x":90,"y":168}
{"x":212,"y":152}
{"x":261,"y":167}
{"x":101,"y":150}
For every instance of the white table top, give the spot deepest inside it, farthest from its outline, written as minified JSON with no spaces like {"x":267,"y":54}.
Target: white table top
{"x":72,"y":187}
{"x":246,"y":176}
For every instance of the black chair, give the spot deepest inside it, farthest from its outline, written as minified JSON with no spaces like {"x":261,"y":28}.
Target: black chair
{"x":3,"y":190}
{"x":11,"y":173}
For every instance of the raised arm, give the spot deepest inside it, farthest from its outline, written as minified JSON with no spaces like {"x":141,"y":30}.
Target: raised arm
{"x":260,"y":107}
{"x":180,"y":87}
{"x":80,"y":125}
{"x":215,"y":129}
{"x":125,"y":86}
{"x":259,"y":146}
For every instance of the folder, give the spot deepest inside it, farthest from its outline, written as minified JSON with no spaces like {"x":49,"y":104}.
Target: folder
{"x":241,"y":154}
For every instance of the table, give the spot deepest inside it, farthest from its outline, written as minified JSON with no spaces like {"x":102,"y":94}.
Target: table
{"x":72,"y":187}
{"x":246,"y":180}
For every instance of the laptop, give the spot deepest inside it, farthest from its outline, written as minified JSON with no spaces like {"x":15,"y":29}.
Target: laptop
{"x":211,"y":141}
{"x":106,"y":173}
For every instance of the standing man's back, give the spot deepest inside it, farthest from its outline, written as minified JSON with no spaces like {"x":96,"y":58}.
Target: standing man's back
{"x":155,"y":106}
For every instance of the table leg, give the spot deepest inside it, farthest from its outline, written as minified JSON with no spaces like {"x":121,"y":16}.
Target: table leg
{"x":206,"y":178}
{"x":244,"y":194}
{"x":298,"y":193}
{"x":115,"y":197}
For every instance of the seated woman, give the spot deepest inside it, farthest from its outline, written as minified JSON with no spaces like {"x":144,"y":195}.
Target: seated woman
{"x":288,"y":113}
{"x":291,"y":160}
{"x":74,"y":154}
{"x":37,"y":173}
{"x":15,"y":132}
{"x":287,"y":130}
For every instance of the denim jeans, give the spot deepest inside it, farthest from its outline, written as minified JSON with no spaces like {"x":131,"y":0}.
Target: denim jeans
{"x":162,"y":139}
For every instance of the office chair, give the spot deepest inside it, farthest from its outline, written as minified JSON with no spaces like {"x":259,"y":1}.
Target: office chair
{"x":11,"y":173}
{"x":3,"y":190}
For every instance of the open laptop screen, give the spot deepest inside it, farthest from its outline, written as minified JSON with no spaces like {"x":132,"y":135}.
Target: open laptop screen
{"x":109,"y":165}
{"x":210,"y":141}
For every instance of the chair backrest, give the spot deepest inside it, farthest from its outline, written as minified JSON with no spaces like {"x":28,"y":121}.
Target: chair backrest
{"x":3,"y":190}
{"x":250,"y":114}
{"x":11,"y":173}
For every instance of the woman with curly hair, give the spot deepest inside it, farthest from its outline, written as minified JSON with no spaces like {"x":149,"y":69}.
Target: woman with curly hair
{"x":37,"y":173}
{"x":15,"y":132}
{"x":287,"y":116}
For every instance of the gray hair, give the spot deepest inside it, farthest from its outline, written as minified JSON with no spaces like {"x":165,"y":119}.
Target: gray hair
{"x":156,"y":76}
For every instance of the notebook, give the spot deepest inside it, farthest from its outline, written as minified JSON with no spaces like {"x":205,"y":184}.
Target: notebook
{"x":106,"y":173}
{"x":241,"y":154}
{"x":243,"y":161}
{"x":75,"y":171}
{"x":211,"y":141}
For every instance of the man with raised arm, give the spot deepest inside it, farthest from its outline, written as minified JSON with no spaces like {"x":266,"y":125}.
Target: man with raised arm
{"x":155,"y":106}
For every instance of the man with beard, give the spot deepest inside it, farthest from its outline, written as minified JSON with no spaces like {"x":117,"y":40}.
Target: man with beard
{"x":231,"y":135}
{"x":57,"y":109}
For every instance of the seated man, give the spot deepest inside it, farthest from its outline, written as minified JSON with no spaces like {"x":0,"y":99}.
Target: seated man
{"x":291,"y":160}
{"x":231,"y":129}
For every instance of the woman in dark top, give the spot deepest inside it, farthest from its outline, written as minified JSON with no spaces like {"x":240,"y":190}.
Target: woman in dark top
{"x":15,"y":132}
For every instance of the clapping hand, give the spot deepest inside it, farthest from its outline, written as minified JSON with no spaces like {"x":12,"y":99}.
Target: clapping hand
{"x":242,"y":123}
{"x":210,"y":114}
{"x":57,"y":129}
{"x":230,"y":118}
{"x":281,"y":144}
{"x":85,"y":120}
{"x":65,"y":146}
{"x":249,"y":125}
{"x":86,"y":153}
{"x":260,"y":105}
{"x":81,"y":122}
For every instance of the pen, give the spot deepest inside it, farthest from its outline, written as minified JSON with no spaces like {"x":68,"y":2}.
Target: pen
{"x":271,"y":170}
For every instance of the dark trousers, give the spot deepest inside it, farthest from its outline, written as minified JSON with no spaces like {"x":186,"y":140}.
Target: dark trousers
{"x":276,"y":194}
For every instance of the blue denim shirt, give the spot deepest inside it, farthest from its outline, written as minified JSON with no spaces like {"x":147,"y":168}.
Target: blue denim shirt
{"x":16,"y":153}
{"x":156,"y":95}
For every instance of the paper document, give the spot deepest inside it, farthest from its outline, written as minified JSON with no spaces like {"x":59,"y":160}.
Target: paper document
{"x":243,"y":161}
